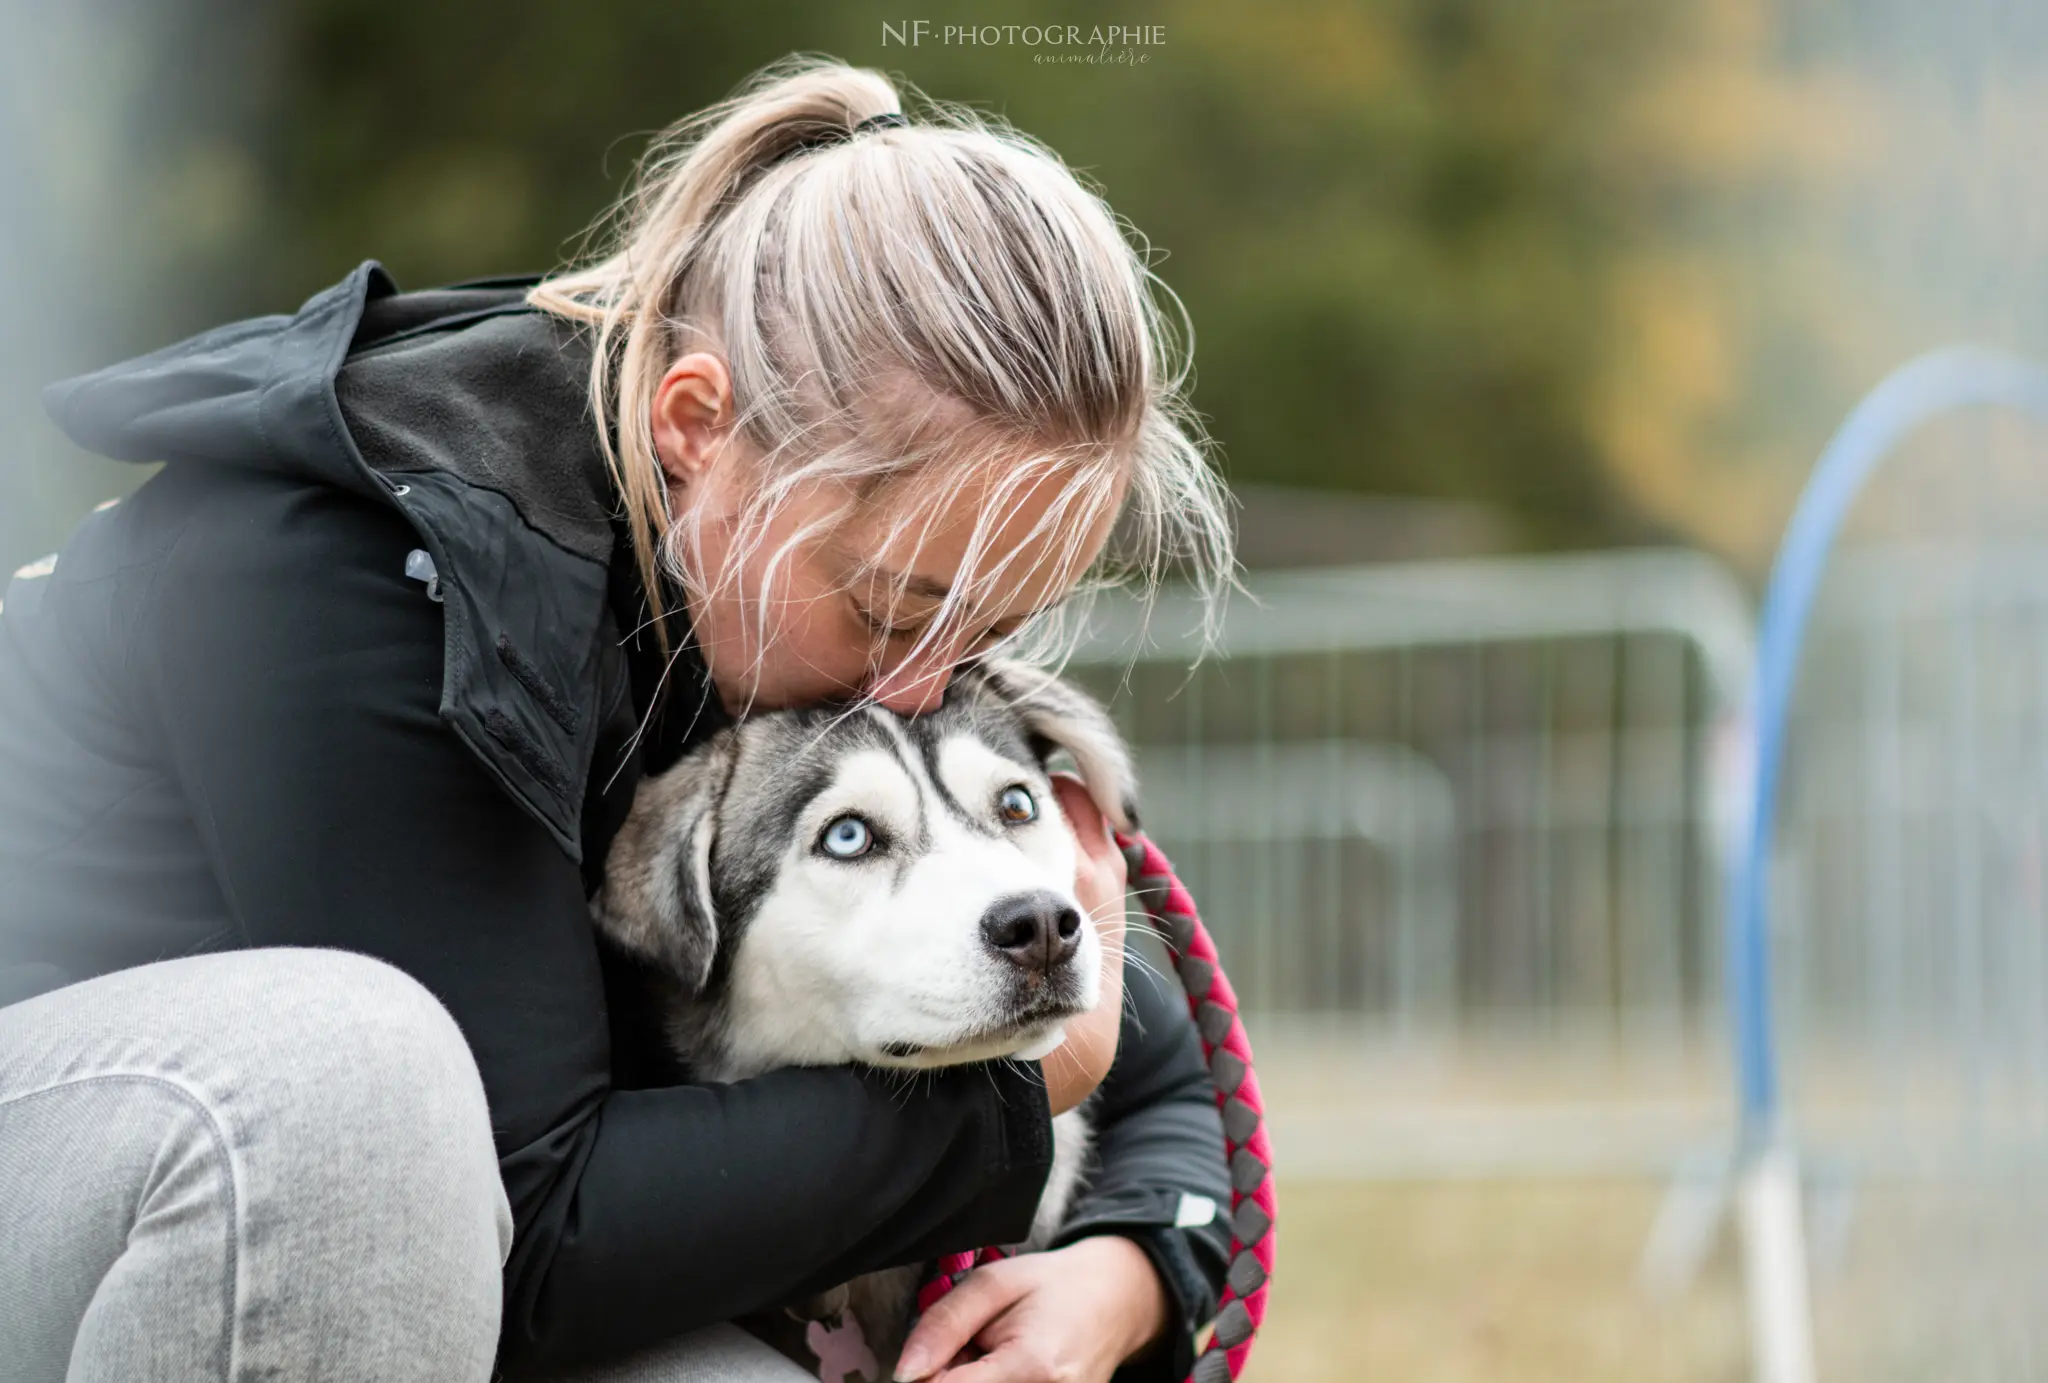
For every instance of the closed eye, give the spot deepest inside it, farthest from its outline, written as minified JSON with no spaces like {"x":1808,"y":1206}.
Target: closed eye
{"x":883,"y":629}
{"x":997,"y":633}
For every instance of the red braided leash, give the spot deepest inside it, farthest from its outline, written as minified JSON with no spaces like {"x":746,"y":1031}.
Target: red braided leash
{"x":1213,"y":1004}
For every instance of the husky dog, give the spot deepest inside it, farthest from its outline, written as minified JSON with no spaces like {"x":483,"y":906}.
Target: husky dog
{"x":824,"y":887}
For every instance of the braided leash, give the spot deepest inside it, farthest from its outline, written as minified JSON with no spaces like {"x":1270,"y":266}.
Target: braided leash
{"x":1213,"y":1004}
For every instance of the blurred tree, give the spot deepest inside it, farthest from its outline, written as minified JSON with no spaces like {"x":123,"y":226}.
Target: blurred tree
{"x":1592,"y":262}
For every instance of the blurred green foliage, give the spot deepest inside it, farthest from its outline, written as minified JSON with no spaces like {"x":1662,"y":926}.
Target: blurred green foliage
{"x":1567,"y":259}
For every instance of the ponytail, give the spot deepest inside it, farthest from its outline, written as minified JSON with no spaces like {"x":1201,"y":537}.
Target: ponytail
{"x":942,"y":301}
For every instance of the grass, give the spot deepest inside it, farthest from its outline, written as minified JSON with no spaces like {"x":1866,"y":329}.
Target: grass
{"x":1475,"y":1211}
{"x":1460,"y":1281}
{"x":1938,"y":1281}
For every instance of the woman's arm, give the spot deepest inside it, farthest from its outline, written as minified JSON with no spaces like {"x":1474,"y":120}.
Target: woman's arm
{"x":1160,"y":1139}
{"x":1140,"y":1262}
{"x":295,"y":675}
{"x":1069,"y":1313}
{"x":1159,"y":1135}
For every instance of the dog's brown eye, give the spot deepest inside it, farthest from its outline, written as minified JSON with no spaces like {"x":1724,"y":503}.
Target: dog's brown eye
{"x":1017,"y":805}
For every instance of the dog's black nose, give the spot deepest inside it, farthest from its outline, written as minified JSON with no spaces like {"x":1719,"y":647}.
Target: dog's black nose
{"x":1038,"y":932}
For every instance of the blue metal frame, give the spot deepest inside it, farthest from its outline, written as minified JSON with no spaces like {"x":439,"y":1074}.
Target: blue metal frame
{"x":1923,"y":388}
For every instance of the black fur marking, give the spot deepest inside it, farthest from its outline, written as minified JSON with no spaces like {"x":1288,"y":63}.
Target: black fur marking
{"x":733,"y":913}
{"x":781,"y":766}
{"x":930,"y":734}
{"x":806,"y":779}
{"x":922,"y":842}
{"x":700,"y":913}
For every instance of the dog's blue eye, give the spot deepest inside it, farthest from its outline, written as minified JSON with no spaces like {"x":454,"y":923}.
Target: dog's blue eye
{"x":846,"y":838}
{"x":1016,"y":805}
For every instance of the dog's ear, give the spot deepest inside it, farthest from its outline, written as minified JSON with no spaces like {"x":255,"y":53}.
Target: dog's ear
{"x":1059,"y":715}
{"x":656,"y":902}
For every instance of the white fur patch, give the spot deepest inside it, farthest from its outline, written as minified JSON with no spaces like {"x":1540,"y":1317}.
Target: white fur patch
{"x":1043,"y":1047}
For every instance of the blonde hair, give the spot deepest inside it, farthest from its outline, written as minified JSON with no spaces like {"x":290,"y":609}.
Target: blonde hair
{"x":922,"y":308}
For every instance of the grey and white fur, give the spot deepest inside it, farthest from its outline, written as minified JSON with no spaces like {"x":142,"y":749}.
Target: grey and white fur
{"x":833,"y":886}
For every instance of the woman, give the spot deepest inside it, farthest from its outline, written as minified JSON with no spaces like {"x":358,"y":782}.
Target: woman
{"x":310,"y":752}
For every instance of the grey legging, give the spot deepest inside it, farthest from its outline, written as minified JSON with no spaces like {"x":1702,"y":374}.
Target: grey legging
{"x":263,"y":1164}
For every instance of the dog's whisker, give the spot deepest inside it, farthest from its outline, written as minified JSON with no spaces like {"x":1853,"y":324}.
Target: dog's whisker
{"x":1145,"y":967}
{"x":1148,"y":927}
{"x":1131,"y":1012}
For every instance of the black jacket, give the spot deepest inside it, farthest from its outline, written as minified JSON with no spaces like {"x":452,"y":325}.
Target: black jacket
{"x":229,"y":718}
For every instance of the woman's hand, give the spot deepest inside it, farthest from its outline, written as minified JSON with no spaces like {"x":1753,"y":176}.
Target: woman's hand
{"x":1069,"y":1316}
{"x":1078,"y":1065}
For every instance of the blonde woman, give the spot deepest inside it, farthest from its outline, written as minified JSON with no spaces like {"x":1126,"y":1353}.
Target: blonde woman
{"x":310,"y":752}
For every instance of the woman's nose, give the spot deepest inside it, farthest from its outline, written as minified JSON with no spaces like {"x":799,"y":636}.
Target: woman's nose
{"x":912,"y":689}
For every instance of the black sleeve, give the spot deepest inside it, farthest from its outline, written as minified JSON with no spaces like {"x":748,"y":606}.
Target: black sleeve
{"x":296,"y":674}
{"x":1159,"y":1141}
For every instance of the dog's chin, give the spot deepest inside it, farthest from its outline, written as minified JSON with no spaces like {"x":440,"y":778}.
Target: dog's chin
{"x":1029,"y":1028}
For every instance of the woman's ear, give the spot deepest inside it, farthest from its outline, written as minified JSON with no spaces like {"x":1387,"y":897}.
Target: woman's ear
{"x":657,"y":900}
{"x":690,"y":417}
{"x":1058,"y":715}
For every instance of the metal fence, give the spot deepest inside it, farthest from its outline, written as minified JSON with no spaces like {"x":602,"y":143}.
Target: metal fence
{"x":1911,"y":928}
{"x":1909,"y":939}
{"x":1885,"y":930}
{"x":1440,"y":797}
{"x":1445,"y":799}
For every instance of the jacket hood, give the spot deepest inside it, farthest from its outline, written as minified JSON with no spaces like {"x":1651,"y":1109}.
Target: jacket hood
{"x":246,"y":393}
{"x":465,"y":410}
